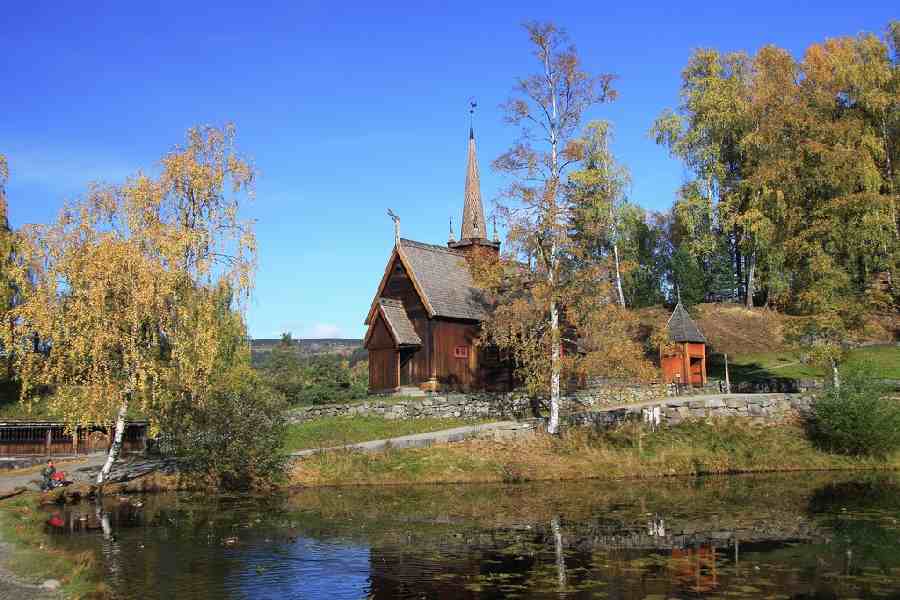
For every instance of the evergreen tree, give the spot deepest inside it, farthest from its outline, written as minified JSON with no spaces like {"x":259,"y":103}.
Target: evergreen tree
{"x":688,"y":280}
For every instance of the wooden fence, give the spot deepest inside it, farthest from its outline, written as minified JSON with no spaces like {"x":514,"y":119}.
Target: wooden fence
{"x":36,"y":438}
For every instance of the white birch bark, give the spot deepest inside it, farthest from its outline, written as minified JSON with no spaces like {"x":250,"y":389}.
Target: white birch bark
{"x":552,"y":209}
{"x":116,"y":446}
{"x":835,"y":376}
{"x":555,"y":368}
{"x":618,"y":277}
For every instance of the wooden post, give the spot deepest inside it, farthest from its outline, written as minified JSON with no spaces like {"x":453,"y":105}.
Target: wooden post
{"x":49,"y":439}
{"x":75,"y":441}
{"x":727,"y":379}
{"x":703,"y":364}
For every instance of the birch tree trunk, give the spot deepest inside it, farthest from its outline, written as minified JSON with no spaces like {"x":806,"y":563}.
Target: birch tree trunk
{"x":618,"y":276}
{"x":555,"y":369}
{"x":117,"y":443}
{"x":835,"y":376}
{"x":553,"y":262}
{"x":890,"y":174}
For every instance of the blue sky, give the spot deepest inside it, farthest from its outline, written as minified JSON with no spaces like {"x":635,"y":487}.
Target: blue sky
{"x":347,"y":109}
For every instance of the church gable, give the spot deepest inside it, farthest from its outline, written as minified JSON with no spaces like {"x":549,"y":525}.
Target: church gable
{"x":379,"y":337}
{"x":445,"y":280}
{"x":431,"y":280}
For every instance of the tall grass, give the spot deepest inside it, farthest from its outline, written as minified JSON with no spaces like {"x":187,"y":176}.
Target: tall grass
{"x":698,"y":448}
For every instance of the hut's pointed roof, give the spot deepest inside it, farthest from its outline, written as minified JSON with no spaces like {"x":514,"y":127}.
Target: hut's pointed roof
{"x":682,"y":327}
{"x":473,"y":225}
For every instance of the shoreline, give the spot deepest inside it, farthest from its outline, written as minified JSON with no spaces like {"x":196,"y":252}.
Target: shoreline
{"x":631,"y":479}
{"x":698,"y":449}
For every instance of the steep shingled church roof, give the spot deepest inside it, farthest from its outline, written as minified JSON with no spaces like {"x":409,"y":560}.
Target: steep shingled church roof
{"x":682,"y":327}
{"x":442,"y":275}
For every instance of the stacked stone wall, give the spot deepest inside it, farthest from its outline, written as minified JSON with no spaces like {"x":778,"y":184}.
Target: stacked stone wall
{"x":676,"y":401}
{"x":463,"y":406}
{"x":773,"y":408}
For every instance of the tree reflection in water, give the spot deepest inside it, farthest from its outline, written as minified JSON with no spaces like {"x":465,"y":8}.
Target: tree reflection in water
{"x":742,"y":537}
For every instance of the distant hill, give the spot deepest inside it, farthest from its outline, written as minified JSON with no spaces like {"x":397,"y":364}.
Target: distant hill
{"x":308,"y":347}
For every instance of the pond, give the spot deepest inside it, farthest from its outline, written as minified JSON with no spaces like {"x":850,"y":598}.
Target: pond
{"x":780,"y":536}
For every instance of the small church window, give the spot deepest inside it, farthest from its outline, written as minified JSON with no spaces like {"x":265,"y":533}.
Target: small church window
{"x":461,"y":352}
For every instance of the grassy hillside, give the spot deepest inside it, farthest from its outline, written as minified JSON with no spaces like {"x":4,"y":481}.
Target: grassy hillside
{"x":732,"y":329}
{"x":756,"y":348}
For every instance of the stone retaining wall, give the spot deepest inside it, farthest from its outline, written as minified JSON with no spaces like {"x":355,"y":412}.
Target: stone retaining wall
{"x":787,"y":386}
{"x":672,"y":411}
{"x":484,"y":405}
{"x":508,"y":405}
{"x":465,"y":406}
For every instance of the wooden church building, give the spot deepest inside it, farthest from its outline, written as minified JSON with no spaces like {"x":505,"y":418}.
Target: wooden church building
{"x":425,"y":320}
{"x":684,"y":360}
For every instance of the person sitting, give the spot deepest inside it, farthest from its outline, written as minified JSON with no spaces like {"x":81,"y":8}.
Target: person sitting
{"x":49,"y":471}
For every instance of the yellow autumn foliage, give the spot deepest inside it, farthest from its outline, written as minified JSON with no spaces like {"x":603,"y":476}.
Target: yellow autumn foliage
{"x":126,"y":291}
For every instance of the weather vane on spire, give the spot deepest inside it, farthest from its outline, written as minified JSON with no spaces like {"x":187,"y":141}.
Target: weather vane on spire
{"x":472,"y":106}
{"x":396,"y":219}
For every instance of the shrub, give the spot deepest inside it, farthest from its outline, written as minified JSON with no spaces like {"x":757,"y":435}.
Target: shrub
{"x":235,"y":437}
{"x":858,"y":417}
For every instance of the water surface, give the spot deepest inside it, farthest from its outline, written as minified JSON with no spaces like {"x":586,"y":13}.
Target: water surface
{"x":784,"y":536}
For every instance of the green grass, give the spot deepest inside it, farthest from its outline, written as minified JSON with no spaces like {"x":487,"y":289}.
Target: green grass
{"x":339,"y":431}
{"x":696,"y":448}
{"x":787,"y":365}
{"x":885,"y":358}
{"x":33,"y":558}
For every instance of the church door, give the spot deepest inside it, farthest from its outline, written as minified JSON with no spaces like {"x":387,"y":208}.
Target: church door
{"x":406,"y":356}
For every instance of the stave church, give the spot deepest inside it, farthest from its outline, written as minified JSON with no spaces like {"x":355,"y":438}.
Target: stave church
{"x":425,"y":320}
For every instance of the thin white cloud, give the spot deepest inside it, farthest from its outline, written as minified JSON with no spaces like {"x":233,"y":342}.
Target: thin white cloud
{"x":323,"y":330}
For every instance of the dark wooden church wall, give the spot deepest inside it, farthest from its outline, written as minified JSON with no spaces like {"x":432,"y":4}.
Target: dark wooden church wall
{"x":383,"y":370}
{"x":400,"y":287}
{"x":453,"y":371}
{"x":380,"y":338}
{"x":383,"y":363}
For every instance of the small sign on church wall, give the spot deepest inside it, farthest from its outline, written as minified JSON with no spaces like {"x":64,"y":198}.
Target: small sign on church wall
{"x":461,"y":352}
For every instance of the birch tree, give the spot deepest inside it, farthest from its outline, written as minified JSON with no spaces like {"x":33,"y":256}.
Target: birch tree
{"x":547,"y":108}
{"x":9,"y":291}
{"x":128,"y":284}
{"x":598,"y":192}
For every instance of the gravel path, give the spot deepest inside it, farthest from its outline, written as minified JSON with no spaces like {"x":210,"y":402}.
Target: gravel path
{"x":10,"y":480}
{"x":497,"y":430}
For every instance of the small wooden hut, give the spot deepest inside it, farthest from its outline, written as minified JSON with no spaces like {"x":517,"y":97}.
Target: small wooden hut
{"x":683,"y":361}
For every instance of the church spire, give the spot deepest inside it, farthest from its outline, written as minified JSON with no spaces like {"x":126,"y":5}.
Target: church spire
{"x":473,"y":234}
{"x":473,"y":225}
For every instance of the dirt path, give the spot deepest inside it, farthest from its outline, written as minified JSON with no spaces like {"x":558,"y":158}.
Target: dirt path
{"x":74,"y":469}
